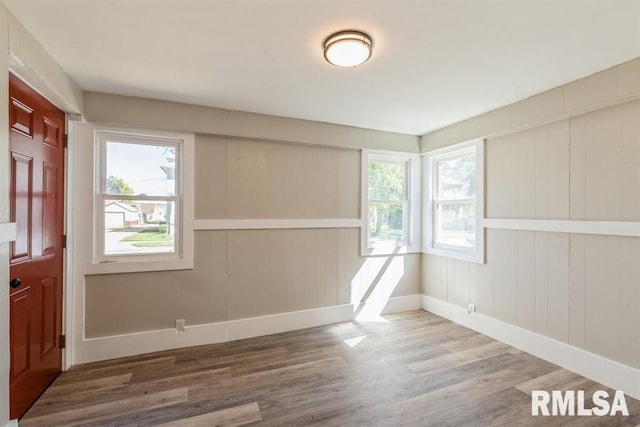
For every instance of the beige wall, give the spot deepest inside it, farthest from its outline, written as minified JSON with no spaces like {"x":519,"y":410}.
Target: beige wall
{"x":153,"y":114}
{"x":583,"y":290}
{"x":240,"y":274}
{"x":245,"y":179}
{"x":248,"y":273}
{"x":583,"y":168}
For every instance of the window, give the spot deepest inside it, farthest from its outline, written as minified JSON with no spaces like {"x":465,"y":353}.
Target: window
{"x":455,"y":202}
{"x":388,"y":201}
{"x":143,"y":201}
{"x":390,"y":188}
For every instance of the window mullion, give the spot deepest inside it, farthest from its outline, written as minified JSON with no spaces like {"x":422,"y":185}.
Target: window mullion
{"x":387,"y":202}
{"x":123,"y":197}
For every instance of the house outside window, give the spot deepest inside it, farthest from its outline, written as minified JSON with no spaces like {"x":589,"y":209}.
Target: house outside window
{"x":143,"y":209}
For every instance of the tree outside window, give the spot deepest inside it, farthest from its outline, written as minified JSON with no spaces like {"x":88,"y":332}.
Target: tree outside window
{"x":387,"y":194}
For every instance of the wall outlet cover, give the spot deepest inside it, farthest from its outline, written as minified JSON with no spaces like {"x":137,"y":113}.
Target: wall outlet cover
{"x":180,"y":326}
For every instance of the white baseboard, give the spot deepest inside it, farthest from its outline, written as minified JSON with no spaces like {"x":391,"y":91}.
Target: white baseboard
{"x":12,"y":423}
{"x":605,"y":371}
{"x":111,"y":347}
{"x":265,"y":325}
{"x":402,"y":303}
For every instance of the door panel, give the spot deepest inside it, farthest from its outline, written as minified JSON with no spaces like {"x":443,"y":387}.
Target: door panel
{"x":49,"y":208}
{"x":49,"y":314}
{"x":21,"y":188}
{"x":51,"y":133}
{"x":37,"y":206}
{"x":20,"y":304}
{"x":21,"y":118}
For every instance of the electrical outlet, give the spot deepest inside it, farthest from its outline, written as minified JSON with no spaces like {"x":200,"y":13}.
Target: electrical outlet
{"x":471,"y":309}
{"x":179,"y":326}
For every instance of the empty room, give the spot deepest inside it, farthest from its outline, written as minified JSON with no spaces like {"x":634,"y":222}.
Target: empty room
{"x":333,"y":213}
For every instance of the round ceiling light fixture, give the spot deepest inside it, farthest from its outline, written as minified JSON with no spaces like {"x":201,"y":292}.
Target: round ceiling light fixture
{"x":348,"y":48}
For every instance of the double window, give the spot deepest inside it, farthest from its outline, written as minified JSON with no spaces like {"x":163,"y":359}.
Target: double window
{"x":454,"y":181}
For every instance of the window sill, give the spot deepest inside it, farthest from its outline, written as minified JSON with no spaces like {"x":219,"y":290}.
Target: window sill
{"x":138,"y":266}
{"x":390,"y":250}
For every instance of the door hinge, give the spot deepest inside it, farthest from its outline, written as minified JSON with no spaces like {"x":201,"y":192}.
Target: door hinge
{"x":66,"y":140}
{"x":63,"y":341}
{"x":64,"y":241}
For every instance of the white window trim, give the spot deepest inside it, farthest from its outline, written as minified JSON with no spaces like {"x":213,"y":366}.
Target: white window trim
{"x":182,"y":258}
{"x":477,"y":253}
{"x":413,"y":223}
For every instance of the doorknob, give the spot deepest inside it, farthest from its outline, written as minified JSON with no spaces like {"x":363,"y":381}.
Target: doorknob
{"x":14,"y":283}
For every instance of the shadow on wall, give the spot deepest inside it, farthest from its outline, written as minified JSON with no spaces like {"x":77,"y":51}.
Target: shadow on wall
{"x":373,"y":285}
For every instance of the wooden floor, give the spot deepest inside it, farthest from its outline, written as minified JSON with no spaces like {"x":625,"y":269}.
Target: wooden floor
{"x":416,"y":369}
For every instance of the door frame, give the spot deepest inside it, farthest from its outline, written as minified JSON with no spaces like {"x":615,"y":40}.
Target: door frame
{"x":41,"y":87}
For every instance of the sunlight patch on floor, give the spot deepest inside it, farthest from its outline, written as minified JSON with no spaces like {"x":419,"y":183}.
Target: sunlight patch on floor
{"x":378,"y":296}
{"x":352,"y":342}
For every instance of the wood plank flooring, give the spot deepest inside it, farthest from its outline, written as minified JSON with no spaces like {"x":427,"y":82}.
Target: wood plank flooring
{"x":416,"y":369}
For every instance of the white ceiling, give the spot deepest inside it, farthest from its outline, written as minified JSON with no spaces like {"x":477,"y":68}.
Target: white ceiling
{"x":435,"y":62}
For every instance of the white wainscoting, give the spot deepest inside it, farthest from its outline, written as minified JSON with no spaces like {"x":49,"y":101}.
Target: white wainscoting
{"x":609,"y":228}
{"x":592,"y":366}
{"x":273,"y":224}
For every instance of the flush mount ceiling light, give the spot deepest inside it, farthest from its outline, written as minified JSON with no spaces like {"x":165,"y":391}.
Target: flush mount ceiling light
{"x":347,"y":48}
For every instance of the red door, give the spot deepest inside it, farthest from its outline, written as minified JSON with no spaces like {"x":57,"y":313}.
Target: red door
{"x":37,"y":206}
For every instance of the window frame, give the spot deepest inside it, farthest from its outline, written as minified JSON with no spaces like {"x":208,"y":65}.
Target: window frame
{"x":431,"y":180}
{"x":410,"y":203}
{"x":182,"y":255}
